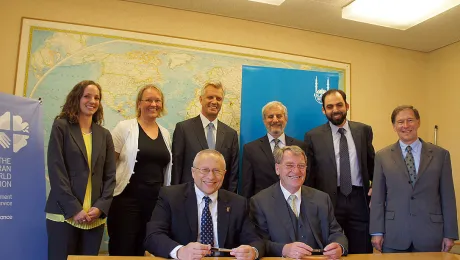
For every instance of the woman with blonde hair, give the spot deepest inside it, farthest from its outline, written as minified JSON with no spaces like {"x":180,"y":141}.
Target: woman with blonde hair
{"x":143,"y":153}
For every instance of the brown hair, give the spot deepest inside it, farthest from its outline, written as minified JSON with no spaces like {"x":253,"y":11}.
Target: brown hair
{"x":71,"y":107}
{"x":401,"y":108}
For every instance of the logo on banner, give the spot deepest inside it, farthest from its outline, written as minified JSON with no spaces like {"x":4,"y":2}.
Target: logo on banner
{"x":319,"y":92}
{"x":16,"y":128}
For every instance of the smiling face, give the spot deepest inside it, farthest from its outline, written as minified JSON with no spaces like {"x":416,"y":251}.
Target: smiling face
{"x":90,"y":101}
{"x":211,"y":102}
{"x":292,"y":171}
{"x":151,"y":104}
{"x":335,"y":109}
{"x":275,"y":120}
{"x":209,"y":182}
{"x":406,"y":126}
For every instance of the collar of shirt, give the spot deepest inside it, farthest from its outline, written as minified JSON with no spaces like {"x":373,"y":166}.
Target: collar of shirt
{"x":206,"y":122}
{"x":335,"y":129}
{"x":282,"y":138}
{"x":416,"y":146}
{"x":200,"y":195}
{"x":286,"y":193}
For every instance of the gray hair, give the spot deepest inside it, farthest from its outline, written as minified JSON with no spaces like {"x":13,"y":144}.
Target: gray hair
{"x":208,"y":152}
{"x":293,"y":149}
{"x":273,"y":104}
{"x":216,"y":85}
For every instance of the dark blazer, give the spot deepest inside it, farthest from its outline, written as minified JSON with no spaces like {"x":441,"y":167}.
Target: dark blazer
{"x":259,"y":165}
{"x":68,"y":169}
{"x":269,"y":212}
{"x":322,"y":167}
{"x":175,"y":221}
{"x":422,"y":215}
{"x":189,"y":139}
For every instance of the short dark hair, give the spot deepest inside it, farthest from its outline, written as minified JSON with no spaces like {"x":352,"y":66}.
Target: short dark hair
{"x":401,"y":108}
{"x":333,"y":91}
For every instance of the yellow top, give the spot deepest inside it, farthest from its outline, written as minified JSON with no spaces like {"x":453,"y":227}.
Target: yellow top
{"x":88,"y":138}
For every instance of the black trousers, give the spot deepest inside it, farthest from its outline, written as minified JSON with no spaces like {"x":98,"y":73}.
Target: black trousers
{"x":128,"y":216}
{"x":65,"y":239}
{"x":352,"y":213}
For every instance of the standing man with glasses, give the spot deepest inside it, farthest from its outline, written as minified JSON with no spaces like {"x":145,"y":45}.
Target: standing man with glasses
{"x":296,"y":220}
{"x":191,"y":218}
{"x":413,"y":205}
{"x":340,"y":163}
{"x":205,"y":132}
{"x":258,"y":161}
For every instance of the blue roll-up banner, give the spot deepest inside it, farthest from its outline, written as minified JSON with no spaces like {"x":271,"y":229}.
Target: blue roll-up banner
{"x":22,"y":180}
{"x":299,"y":90}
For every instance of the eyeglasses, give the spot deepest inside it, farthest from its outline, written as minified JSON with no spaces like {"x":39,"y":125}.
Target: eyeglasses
{"x":206,"y":171}
{"x":150,"y":101}
{"x":409,"y":121}
{"x":300,"y":166}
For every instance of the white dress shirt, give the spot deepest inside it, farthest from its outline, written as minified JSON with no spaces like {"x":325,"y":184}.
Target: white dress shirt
{"x":205,"y":123}
{"x":356,"y":178}
{"x":281,"y":144}
{"x":286,"y":194}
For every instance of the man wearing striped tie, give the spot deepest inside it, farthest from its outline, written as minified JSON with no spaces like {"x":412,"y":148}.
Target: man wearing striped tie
{"x":413,"y":205}
{"x":296,"y":221}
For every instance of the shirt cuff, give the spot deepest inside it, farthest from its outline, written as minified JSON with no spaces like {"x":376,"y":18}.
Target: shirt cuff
{"x":257,"y":253}
{"x":173,"y":253}
{"x":377,"y":234}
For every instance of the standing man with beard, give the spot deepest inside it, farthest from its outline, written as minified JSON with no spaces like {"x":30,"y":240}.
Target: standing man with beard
{"x":340,"y":163}
{"x":258,"y":161}
{"x":205,"y":132}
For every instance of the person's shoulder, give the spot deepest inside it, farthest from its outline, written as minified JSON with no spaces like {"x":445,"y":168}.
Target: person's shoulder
{"x":188,"y":121}
{"x":387,"y":149}
{"x":255,"y":142}
{"x":226,"y":127}
{"x":434,"y":147}
{"x":163,"y":129}
{"x":359,"y":124}
{"x":265,"y":193}
{"x":317,"y":130}
{"x":174,"y":190}
{"x":232,"y":197}
{"x":61,"y":122}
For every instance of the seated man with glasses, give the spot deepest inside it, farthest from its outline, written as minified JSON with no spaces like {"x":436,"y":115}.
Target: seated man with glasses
{"x":296,"y":221}
{"x":194,"y":219}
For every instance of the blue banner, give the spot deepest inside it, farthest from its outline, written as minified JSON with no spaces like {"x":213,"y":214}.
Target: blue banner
{"x":299,"y":90}
{"x":22,"y":182}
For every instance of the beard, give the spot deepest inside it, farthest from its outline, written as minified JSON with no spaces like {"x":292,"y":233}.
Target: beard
{"x":337,"y":121}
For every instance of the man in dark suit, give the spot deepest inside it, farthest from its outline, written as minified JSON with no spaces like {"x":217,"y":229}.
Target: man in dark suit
{"x":258,"y":162}
{"x":295,"y":219}
{"x":190,"y":219}
{"x":205,"y":132}
{"x":413,"y":205}
{"x":340,"y":163}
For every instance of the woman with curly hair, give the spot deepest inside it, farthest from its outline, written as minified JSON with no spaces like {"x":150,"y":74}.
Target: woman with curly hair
{"x":81,"y":169}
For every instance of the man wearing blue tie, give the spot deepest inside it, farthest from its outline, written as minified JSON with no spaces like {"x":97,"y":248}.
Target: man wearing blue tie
{"x":192,"y":218}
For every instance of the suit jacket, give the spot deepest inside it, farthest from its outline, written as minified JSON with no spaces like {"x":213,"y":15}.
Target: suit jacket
{"x":423,"y":214}
{"x":269,"y":212}
{"x":68,"y":169}
{"x":259,"y":165}
{"x":175,"y":221}
{"x":322,"y":166}
{"x":189,"y":139}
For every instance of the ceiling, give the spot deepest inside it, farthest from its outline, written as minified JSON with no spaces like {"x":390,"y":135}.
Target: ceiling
{"x":324,"y":16}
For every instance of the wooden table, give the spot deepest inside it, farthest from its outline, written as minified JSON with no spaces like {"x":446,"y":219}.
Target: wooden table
{"x":403,"y":256}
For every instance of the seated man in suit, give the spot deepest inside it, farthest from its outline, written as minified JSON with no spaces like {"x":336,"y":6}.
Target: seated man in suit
{"x":191,"y":218}
{"x":258,"y":162}
{"x":295,"y":219}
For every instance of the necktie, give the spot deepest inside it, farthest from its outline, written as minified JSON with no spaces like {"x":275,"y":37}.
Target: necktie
{"x":207,"y":234}
{"x":277,"y":147}
{"x":410,"y":163}
{"x":292,"y":199}
{"x":210,"y":137}
{"x":345,"y":171}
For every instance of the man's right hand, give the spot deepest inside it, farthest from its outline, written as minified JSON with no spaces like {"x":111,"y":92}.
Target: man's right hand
{"x":377,"y":242}
{"x":193,"y":251}
{"x":296,"y":250}
{"x":82,"y":217}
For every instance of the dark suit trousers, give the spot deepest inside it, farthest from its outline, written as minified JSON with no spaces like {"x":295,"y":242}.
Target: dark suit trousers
{"x":353,"y":216}
{"x":65,"y":239}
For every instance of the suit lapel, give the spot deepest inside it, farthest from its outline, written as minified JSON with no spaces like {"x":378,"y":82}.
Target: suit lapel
{"x":425,"y":159}
{"x":265,"y":146}
{"x":397,"y":156}
{"x":279,"y":203}
{"x":220,"y":136}
{"x":97,"y":144}
{"x":199,"y":132}
{"x":329,"y":143}
{"x":77,"y":136}
{"x":223,"y":216}
{"x":191,"y":210}
{"x":311,"y":211}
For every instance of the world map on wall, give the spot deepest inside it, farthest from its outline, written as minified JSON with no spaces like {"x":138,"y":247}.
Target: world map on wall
{"x":60,"y":55}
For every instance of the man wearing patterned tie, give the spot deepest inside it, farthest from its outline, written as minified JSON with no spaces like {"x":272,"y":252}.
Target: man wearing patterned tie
{"x":191,"y":218}
{"x":258,"y":162}
{"x":205,"y":132}
{"x":294,"y":219}
{"x":413,"y":205}
{"x":340,"y":163}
